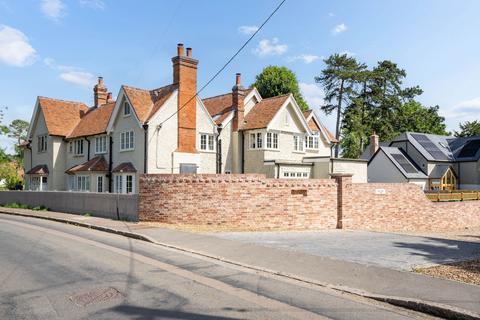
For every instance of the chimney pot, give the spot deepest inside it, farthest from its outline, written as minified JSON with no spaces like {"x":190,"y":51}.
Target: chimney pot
{"x":180,"y":49}
{"x":100,"y":81}
{"x":189,"y":52}
{"x":238,"y":79}
{"x":109,"y":97}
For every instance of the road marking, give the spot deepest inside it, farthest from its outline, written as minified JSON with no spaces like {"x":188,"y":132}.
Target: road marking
{"x":268,"y":303}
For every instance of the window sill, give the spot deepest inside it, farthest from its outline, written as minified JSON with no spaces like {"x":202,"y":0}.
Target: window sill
{"x":101,"y":152}
{"x":78,"y":155}
{"x":207,"y":151}
{"x":271,"y":149}
{"x":301,"y":152}
{"x":126,"y":150}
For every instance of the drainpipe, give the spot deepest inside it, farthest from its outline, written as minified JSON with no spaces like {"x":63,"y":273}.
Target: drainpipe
{"x":243,"y":151}
{"x":145,"y":147}
{"x":219,"y":151}
{"x":278,"y":170}
{"x":88,"y":149}
{"x":110,"y":163}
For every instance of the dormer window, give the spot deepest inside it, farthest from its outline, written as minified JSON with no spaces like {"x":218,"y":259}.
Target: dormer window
{"x":311,"y":142}
{"x":126,"y":109}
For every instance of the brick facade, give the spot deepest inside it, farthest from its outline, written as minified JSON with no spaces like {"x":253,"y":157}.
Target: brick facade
{"x":238,"y":201}
{"x":252,"y":202}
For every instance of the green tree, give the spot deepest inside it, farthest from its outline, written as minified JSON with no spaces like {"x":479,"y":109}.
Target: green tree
{"x":414,"y":117}
{"x":18,"y":130}
{"x":274,"y":81}
{"x":338,"y":79}
{"x":469,"y":129}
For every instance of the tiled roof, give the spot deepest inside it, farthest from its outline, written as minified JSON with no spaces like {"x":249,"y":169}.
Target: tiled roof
{"x":313,"y":125}
{"x":40,"y":169}
{"x":125,"y":167}
{"x":263,"y":112}
{"x":147,"y":102}
{"x":94,"y":122}
{"x":221,"y":106}
{"x":61,"y":116}
{"x":96,"y":164}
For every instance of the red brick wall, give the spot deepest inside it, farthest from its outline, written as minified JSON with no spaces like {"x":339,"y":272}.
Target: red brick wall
{"x":252,"y":202}
{"x":404,"y":207}
{"x":239,"y":201}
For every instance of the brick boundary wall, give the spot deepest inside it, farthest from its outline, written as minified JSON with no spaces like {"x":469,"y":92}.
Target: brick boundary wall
{"x":243,"y":202}
{"x":252,"y":202}
{"x":404,"y":207}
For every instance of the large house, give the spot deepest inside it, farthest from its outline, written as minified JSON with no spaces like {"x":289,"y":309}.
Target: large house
{"x":433,"y":162}
{"x":104,"y":148}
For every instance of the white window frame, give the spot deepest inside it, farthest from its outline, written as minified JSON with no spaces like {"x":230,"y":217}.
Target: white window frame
{"x":207,"y":142}
{"x":256,"y":140}
{"x":127,"y":140}
{"x":70,"y":147}
{"x":295,"y":175}
{"x":101,"y":145}
{"x":100,"y":183}
{"x":298,"y":143}
{"x":83,"y":183}
{"x":272,"y":140}
{"x":127,"y":109}
{"x":42,"y":143}
{"x":78,"y":145}
{"x":312,"y":143}
{"x":123,"y":185}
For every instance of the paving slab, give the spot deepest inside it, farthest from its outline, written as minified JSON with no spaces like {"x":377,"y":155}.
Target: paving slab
{"x":353,"y":277}
{"x":394,"y":251}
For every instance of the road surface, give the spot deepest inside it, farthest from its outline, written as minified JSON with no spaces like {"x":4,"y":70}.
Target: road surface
{"x":50,"y":270}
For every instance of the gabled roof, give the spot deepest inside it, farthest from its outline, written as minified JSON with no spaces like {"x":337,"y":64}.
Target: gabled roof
{"x":439,"y":171}
{"x":263,"y":112}
{"x":96,"y":164}
{"x":39,"y":169}
{"x":443,"y":148}
{"x":94,"y":122}
{"x":390,"y":152}
{"x":221,"y":106}
{"x":316,"y":125}
{"x":147,"y":102}
{"x":61,"y":116}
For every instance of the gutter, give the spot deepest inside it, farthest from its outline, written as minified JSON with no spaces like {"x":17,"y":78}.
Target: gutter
{"x":145,"y":148}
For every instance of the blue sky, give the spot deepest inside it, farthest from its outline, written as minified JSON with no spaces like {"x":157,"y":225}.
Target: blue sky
{"x":57,"y":48}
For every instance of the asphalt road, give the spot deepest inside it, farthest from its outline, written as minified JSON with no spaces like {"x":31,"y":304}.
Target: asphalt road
{"x":50,"y":270}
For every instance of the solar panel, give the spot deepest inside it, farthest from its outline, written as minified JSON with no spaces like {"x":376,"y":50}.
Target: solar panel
{"x":404,"y":163}
{"x":431,"y":147}
{"x":469,"y":149}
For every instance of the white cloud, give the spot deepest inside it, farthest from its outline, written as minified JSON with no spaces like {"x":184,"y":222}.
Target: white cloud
{"x":15,"y":50}
{"x":312,"y":93}
{"x":307,"y":58}
{"x":348,"y":53}
{"x":339,"y":29}
{"x":331,"y":14}
{"x":247,"y":29}
{"x":81,"y":78}
{"x":94,"y":4}
{"x":466,"y":110}
{"x":272,"y":47}
{"x":53,"y":9}
{"x":71,"y":74}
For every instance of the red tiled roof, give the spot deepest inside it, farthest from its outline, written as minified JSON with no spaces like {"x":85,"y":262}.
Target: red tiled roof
{"x":263,"y":112}
{"x":221,"y":106}
{"x":40,"y":169}
{"x":95,"y":121}
{"x":313,"y":125}
{"x":96,"y":164}
{"x":147,"y":102}
{"x":125,"y":167}
{"x":61,"y":116}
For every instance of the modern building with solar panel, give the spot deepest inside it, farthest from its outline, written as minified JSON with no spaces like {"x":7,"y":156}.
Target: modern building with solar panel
{"x":433,"y":162}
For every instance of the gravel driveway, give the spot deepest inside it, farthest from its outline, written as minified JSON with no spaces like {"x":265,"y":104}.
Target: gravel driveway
{"x":395,"y":251}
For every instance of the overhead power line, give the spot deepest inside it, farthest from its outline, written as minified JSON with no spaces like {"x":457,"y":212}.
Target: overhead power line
{"x":228,"y":62}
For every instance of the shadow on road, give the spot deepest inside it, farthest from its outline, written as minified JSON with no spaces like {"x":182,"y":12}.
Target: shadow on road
{"x":142,"y":313}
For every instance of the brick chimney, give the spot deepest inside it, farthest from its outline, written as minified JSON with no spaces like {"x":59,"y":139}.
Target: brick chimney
{"x":109,"y":97}
{"x":99,"y":93}
{"x":185,"y":76}
{"x":238,"y":96}
{"x":374,"y":143}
